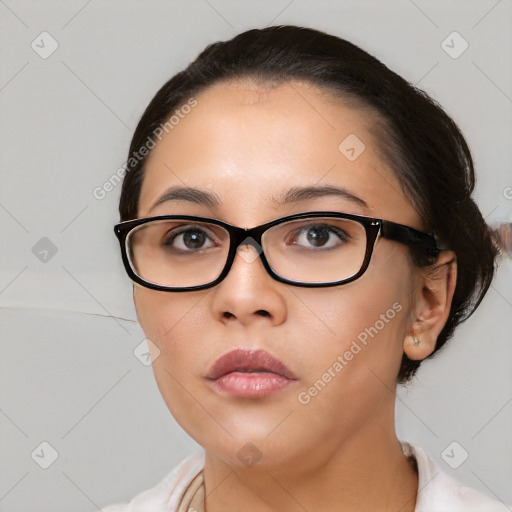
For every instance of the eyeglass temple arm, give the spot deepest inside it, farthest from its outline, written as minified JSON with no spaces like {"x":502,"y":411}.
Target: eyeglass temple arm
{"x":410,"y":236}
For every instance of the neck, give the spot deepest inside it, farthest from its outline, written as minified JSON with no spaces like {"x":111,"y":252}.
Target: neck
{"x":366,"y":472}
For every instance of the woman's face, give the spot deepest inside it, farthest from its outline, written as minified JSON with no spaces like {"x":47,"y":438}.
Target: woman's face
{"x":343,"y":344}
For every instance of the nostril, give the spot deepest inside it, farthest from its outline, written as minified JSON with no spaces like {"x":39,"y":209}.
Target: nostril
{"x":227,"y":314}
{"x":262,"y":312}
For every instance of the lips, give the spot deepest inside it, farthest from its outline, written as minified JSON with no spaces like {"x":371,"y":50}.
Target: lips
{"x":249,"y":374}
{"x":248,"y":361}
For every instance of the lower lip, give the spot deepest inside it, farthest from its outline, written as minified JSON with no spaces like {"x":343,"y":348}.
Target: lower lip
{"x":251,"y":385}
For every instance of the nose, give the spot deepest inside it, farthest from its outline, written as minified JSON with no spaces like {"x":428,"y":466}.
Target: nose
{"x":244,"y":249}
{"x":248,"y":294}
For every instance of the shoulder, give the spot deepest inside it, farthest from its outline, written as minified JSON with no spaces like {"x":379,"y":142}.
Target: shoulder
{"x":164,"y":496}
{"x":439,"y":492}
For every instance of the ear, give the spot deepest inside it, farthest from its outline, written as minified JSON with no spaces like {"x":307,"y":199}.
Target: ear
{"x":433,"y":299}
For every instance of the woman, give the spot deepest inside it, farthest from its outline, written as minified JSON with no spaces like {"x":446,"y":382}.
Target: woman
{"x":298,"y":223}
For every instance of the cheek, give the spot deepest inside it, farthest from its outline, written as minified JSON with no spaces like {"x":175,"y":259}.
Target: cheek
{"x":351,"y":371}
{"x":176,"y":324}
{"x":163,"y":315}
{"x":362,"y":323}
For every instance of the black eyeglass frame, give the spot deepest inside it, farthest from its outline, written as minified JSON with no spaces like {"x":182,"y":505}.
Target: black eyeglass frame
{"x":424,"y":242}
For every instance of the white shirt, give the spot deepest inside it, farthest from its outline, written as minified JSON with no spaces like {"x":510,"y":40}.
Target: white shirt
{"x":437,"y":491}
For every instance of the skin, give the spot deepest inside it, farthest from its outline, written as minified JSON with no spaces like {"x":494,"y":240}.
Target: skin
{"x":249,"y":143}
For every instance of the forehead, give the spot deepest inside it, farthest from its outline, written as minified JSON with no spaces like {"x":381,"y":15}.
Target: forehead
{"x":250,"y":144}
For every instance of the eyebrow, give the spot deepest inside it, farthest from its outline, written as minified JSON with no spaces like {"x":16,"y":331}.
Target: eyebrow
{"x":191,"y":194}
{"x":295,"y":194}
{"x":302,"y":193}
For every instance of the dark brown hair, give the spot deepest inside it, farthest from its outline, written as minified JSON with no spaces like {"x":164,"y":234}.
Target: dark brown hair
{"x":418,"y":140}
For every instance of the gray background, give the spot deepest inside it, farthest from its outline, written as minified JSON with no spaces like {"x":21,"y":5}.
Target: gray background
{"x":69,"y":375}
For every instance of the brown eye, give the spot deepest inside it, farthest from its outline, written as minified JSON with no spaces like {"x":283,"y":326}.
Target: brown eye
{"x":189,"y":239}
{"x":319,"y":235}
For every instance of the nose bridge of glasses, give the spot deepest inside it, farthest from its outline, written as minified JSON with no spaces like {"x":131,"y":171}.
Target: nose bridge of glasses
{"x":247,"y":237}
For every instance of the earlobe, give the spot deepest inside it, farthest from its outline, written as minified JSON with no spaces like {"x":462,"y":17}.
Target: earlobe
{"x":419,"y":347}
{"x":436,"y":287}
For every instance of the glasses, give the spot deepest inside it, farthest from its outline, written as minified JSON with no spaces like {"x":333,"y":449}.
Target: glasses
{"x":310,"y":249}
